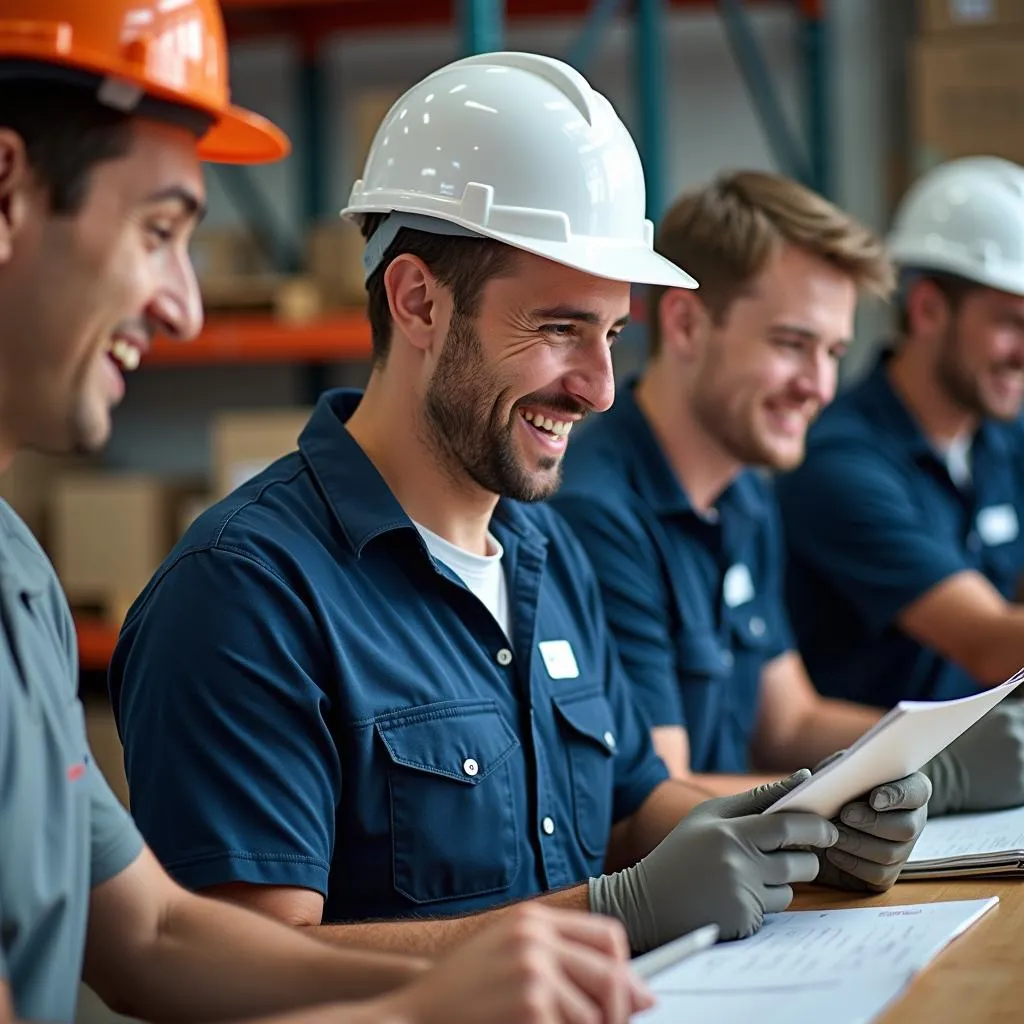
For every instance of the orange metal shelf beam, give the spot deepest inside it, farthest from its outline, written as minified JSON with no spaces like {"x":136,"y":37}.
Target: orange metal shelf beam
{"x":261,"y":339}
{"x":96,"y":640}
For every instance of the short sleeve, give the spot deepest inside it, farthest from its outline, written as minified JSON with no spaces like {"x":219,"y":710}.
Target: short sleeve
{"x":114,"y":839}
{"x":636,"y":604}
{"x":216,"y":682}
{"x":850,"y":518}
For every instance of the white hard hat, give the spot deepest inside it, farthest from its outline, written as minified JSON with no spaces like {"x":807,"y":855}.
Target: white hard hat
{"x":519,"y":148}
{"x":965,"y":217}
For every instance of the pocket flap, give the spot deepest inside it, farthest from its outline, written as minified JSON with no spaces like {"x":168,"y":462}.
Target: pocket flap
{"x":590,"y":715}
{"x":463,"y":740}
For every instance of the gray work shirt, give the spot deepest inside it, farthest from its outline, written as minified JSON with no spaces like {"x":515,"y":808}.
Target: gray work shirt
{"x":62,"y":830}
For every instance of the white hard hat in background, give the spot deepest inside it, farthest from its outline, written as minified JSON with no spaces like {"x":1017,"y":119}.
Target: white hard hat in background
{"x":519,"y":148}
{"x":965,"y":217}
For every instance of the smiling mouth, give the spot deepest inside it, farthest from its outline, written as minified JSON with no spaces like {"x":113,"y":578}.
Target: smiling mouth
{"x":546,"y":425}
{"x":124,"y":354}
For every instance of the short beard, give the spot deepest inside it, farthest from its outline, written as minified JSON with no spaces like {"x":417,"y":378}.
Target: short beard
{"x":463,"y":424}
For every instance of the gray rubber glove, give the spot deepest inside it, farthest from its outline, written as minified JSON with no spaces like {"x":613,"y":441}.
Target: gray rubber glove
{"x":725,"y":863}
{"x":877,"y":835}
{"x":982,"y":770}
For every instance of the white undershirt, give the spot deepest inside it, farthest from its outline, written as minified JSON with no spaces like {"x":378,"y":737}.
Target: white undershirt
{"x":958,"y":460}
{"x":484,"y":575}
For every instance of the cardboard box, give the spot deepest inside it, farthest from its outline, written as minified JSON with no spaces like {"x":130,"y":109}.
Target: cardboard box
{"x":334,"y":256}
{"x":26,"y":486}
{"x":245,"y":443}
{"x":367,"y":110}
{"x":110,"y":532}
{"x":219,"y":253}
{"x":937,"y":16}
{"x":967,"y":98}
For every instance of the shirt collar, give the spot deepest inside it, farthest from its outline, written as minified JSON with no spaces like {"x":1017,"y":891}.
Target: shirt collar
{"x":655,"y":479}
{"x":363,"y":504}
{"x":896,"y":421}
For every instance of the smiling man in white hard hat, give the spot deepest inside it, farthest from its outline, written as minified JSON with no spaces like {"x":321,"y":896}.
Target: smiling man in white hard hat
{"x":100,"y":188}
{"x":904,"y":522}
{"x":373,"y":689}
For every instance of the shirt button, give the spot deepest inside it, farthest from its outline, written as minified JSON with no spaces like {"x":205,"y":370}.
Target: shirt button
{"x":757,"y":626}
{"x":470,"y":767}
{"x":548,"y":824}
{"x":504,"y":656}
{"x":609,"y":738}
{"x":727,"y":659}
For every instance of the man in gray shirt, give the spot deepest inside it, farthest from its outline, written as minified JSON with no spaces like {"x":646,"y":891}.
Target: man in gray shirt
{"x":106,"y":109}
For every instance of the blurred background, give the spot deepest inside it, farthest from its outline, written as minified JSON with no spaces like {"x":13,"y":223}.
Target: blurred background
{"x":852,"y":97}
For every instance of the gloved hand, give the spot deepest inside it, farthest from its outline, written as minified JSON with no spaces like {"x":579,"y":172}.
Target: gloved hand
{"x":983,"y":769}
{"x":723,"y":864}
{"x":877,"y":835}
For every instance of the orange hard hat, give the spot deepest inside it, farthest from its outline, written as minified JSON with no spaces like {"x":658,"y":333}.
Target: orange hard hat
{"x":171,"y":50}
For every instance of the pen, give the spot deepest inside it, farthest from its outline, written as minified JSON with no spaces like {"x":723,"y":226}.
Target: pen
{"x":658,"y":960}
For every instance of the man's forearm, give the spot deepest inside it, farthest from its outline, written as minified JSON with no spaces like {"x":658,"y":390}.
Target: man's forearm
{"x":828,"y":726}
{"x":433,"y":937}
{"x":653,"y":820}
{"x":214,"y":962}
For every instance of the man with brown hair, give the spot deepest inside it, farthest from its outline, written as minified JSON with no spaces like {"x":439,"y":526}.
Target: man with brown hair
{"x":684,"y":535}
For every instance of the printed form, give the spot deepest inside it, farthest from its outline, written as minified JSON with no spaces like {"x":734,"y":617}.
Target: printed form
{"x":803,"y":967}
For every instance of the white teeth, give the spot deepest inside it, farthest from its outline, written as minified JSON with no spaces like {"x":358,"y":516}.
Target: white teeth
{"x":528,"y":416}
{"x":557,"y":427}
{"x":126,"y":355}
{"x":548,"y":424}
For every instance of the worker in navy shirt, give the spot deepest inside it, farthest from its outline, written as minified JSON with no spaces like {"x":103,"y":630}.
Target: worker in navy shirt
{"x":100,"y":188}
{"x":904,"y":521}
{"x":665,"y":490}
{"x":373,"y":689}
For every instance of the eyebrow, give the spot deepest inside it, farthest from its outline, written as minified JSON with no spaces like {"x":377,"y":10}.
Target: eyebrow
{"x":804,"y":333}
{"x":193,"y":206}
{"x":583,"y":316}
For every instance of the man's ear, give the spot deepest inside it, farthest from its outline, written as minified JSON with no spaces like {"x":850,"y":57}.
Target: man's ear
{"x":16,"y":181}
{"x":420,"y":307}
{"x":683,"y":322}
{"x":928,"y":311}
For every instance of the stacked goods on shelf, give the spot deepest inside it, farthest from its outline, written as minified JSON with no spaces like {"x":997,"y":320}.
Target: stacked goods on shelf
{"x":967,"y":91}
{"x":234,"y":275}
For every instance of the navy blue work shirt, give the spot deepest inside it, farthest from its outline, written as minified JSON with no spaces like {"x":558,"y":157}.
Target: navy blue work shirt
{"x":873,"y":521}
{"x":308,"y":699}
{"x":694,"y":601}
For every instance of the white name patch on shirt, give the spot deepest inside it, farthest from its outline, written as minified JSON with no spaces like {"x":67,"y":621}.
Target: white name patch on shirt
{"x":559,"y":659}
{"x":737,"y":587}
{"x":998,"y":524}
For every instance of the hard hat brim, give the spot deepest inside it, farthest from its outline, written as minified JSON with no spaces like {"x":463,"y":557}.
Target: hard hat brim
{"x":241,"y":136}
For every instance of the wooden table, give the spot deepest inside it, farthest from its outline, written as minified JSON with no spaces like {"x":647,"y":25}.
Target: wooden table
{"x":979,"y":978}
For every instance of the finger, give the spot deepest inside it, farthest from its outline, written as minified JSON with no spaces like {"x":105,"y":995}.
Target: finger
{"x":776,"y":899}
{"x":791,"y":830}
{"x":895,"y":826}
{"x":785,"y":868}
{"x":641,"y":997}
{"x":598,"y":984}
{"x":908,"y":793}
{"x":867,"y":847}
{"x":758,"y":799}
{"x":604,"y":934}
{"x":874,"y":876}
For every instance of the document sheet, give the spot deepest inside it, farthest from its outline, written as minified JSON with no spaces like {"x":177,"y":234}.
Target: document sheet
{"x":804,"y":967}
{"x":969,"y":844}
{"x":908,"y":736}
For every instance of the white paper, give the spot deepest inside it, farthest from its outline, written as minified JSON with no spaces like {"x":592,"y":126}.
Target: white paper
{"x":979,"y":838}
{"x":804,"y":967}
{"x":906,"y":738}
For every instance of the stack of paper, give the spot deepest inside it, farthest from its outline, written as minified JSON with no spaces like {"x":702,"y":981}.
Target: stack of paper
{"x":804,"y":967}
{"x":969,"y":844}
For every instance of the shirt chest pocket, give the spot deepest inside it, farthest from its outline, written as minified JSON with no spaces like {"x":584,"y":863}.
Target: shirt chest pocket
{"x":588,"y":732}
{"x":453,"y":809}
